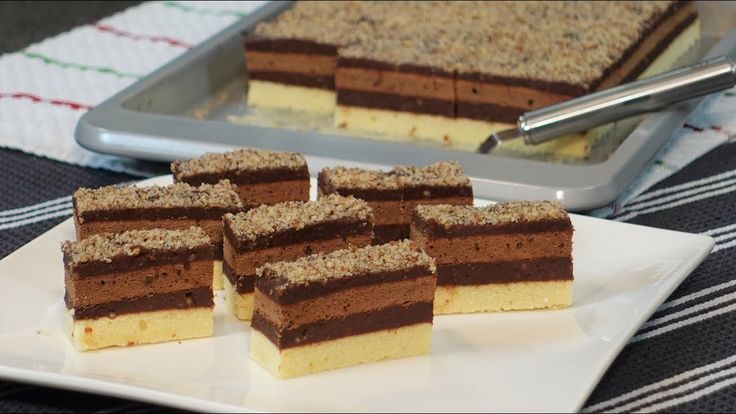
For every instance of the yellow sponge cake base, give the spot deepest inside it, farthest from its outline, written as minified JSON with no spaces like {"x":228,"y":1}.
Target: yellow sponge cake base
{"x":502,"y":297}
{"x":343,"y":352}
{"x":239,"y":304}
{"x":266,"y":94}
{"x":139,"y":328}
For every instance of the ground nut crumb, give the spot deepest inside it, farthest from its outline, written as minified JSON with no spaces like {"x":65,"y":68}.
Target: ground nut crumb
{"x":445,"y":174}
{"x":239,"y":160}
{"x":394,"y":256}
{"x":222,"y":195}
{"x":569,"y":42}
{"x":107,"y":247}
{"x":496,"y":214}
{"x":295,"y":215}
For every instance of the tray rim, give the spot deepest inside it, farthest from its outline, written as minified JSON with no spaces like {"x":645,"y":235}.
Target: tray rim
{"x":113,"y":128}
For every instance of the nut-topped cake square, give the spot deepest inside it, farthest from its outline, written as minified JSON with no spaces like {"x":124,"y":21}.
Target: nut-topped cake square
{"x":260,"y":176}
{"x":139,"y":286}
{"x":393,"y":194}
{"x":507,"y":256}
{"x":348,"y":307}
{"x":287,"y":231}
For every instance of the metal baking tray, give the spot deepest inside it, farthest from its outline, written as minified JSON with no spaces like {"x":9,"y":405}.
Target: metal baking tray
{"x":186,"y":108}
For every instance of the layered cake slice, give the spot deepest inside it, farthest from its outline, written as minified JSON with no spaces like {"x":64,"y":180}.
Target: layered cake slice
{"x":393,"y":195}
{"x":543,"y":53}
{"x":290,"y":63}
{"x":177,"y":206}
{"x":261,"y":177}
{"x":348,"y":307}
{"x":137,"y":287}
{"x":453,"y":72}
{"x":287,"y":231}
{"x":508,"y":256}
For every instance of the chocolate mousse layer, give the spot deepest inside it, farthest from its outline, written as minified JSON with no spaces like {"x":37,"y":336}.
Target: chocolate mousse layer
{"x":287,"y":61}
{"x":343,"y":293}
{"x":260,"y":177}
{"x":138,"y":271}
{"x":407,"y":88}
{"x":152,"y":279}
{"x":393,"y":194}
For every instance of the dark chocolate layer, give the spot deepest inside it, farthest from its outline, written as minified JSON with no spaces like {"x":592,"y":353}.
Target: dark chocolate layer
{"x":425,"y":192}
{"x":265,"y":175}
{"x":242,"y":283}
{"x":143,"y":260}
{"x":389,"y":232}
{"x":392,"y":102}
{"x":281,"y":291}
{"x":393,"y":317}
{"x":186,"y":299}
{"x":159,"y":213}
{"x":488,"y":112}
{"x":320,"y":231}
{"x":531,"y":270}
{"x":290,"y":78}
{"x":432,"y":229}
{"x":410,"y":193}
{"x":256,"y":42}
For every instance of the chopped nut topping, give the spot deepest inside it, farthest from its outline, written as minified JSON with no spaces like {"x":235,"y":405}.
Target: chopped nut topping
{"x":295,"y":215}
{"x":108,"y":246}
{"x":321,"y":267}
{"x":222,"y":195}
{"x":571,"y":42}
{"x":446,"y":174}
{"x":242,"y":160}
{"x":496,"y":214}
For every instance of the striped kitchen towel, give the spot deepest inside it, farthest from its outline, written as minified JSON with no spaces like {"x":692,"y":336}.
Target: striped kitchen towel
{"x":45,"y":88}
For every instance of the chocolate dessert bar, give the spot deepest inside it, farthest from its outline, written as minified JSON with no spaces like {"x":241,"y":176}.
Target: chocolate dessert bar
{"x":261,"y":177}
{"x":287,"y":231}
{"x":393,"y":195}
{"x":508,"y":256}
{"x":455,"y":71}
{"x":139,"y":286}
{"x":177,"y":206}
{"x":348,"y":307}
{"x":597,"y":45}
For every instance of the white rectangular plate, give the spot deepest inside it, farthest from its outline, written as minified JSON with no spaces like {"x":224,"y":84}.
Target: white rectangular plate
{"x":520,"y":361}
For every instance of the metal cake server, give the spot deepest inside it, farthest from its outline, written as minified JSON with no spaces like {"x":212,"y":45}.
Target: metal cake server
{"x":620,"y":102}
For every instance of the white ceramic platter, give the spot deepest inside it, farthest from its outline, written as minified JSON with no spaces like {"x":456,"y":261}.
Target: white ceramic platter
{"x":520,"y":361}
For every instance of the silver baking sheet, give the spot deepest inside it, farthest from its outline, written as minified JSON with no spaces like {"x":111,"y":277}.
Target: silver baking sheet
{"x":196,"y":104}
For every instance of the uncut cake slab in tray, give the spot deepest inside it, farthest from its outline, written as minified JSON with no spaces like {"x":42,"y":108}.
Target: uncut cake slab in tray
{"x":380,"y":88}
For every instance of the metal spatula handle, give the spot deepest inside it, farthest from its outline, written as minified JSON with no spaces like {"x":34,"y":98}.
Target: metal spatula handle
{"x":645,"y":95}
